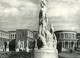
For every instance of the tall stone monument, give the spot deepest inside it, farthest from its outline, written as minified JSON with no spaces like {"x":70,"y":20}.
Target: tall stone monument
{"x":47,"y":37}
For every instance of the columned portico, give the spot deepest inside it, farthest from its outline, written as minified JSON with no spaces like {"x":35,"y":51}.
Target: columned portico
{"x":68,"y":44}
{"x":67,"y":38}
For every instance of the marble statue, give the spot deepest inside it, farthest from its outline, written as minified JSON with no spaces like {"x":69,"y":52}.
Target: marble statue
{"x":42,"y":17}
{"x":45,"y":35}
{"x":43,"y":21}
{"x":46,"y":41}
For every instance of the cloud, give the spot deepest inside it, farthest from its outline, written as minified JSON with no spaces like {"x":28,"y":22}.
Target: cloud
{"x":23,"y":14}
{"x":17,"y":14}
{"x":66,"y":26}
{"x":64,"y":14}
{"x":62,"y":9}
{"x":15,"y":6}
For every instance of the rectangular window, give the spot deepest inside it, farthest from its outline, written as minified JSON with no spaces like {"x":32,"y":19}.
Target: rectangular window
{"x":66,"y":36}
{"x":57,"y":35}
{"x":62,"y":36}
{"x":73,"y":36}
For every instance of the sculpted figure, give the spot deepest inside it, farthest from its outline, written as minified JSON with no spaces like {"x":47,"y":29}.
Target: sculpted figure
{"x":43,"y":11}
{"x":43,"y":20}
{"x":55,"y":41}
{"x":54,"y":36}
{"x":49,"y":40}
{"x":49,"y":36}
{"x":46,"y":36}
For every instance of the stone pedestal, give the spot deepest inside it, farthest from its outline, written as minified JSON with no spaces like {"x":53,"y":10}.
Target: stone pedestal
{"x":27,"y":49}
{"x":45,"y":53}
{"x":7,"y":49}
{"x":17,"y":49}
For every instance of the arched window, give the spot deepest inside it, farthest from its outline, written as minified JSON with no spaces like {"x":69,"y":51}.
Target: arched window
{"x":57,"y":35}
{"x":15,"y":35}
{"x":11,"y":36}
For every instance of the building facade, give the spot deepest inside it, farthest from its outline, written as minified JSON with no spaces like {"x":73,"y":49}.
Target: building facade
{"x":24,"y":40}
{"x":66,"y":39}
{"x":12,"y":37}
{"x":78,"y":42}
{"x":4,"y":34}
{"x":12,"y":34}
{"x":4,"y":39}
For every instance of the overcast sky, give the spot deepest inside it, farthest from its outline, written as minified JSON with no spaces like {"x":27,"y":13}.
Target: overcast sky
{"x":23,"y":14}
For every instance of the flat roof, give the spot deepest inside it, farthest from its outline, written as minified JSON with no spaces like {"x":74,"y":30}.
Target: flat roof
{"x":3,"y":31}
{"x":11,"y":31}
{"x":65,"y":31}
{"x":24,"y":29}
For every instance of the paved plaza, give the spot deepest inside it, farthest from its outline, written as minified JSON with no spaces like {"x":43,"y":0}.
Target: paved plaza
{"x":69,"y":55}
{"x":30,"y":55}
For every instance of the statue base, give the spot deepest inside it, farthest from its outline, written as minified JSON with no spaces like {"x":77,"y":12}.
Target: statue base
{"x":17,"y":49}
{"x":45,"y":53}
{"x":7,"y":49}
{"x":27,"y":49}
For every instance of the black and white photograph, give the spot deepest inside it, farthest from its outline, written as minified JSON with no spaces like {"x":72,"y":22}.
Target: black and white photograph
{"x":39,"y":28}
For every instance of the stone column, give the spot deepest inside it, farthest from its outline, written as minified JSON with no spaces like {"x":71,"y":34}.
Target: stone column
{"x":7,"y":47}
{"x":27,"y":48}
{"x":3,"y":47}
{"x":68,"y":44}
{"x":36,"y":47}
{"x":64,"y":35}
{"x":71,"y":36}
{"x":59,"y":36}
{"x":67,"y":35}
{"x":79,"y":43}
{"x":74,"y":36}
{"x":64,"y":44}
{"x":76,"y":43}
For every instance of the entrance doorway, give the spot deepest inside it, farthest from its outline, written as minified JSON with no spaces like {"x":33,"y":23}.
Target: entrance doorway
{"x":12,"y":45}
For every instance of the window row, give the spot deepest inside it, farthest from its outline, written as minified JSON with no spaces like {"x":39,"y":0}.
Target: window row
{"x":66,"y":36}
{"x":12,"y":36}
{"x":3,"y":35}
